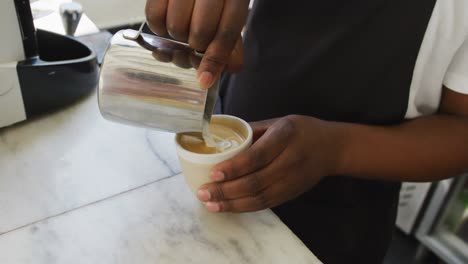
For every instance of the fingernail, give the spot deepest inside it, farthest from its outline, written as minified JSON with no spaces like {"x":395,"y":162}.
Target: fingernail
{"x":205,"y":80}
{"x":212,"y":207}
{"x":204,"y":195}
{"x":217,"y":176}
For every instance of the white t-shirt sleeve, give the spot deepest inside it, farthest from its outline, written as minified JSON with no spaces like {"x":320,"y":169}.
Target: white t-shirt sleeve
{"x":456,"y":77}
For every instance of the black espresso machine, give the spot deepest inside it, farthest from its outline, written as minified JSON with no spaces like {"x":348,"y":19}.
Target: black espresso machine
{"x":40,"y":71}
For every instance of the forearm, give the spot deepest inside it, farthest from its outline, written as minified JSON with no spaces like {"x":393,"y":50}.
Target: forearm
{"x":424,"y":149}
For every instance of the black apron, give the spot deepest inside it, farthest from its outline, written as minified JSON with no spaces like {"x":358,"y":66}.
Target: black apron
{"x":349,"y":61}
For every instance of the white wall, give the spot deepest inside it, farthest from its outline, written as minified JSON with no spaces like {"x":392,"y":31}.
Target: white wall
{"x":112,"y":13}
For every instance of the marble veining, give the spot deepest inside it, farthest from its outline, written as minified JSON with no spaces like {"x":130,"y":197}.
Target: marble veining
{"x":161,"y":145}
{"x":74,"y":157}
{"x":159,"y":223}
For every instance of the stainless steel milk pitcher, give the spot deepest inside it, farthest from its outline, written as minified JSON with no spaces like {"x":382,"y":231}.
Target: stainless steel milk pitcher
{"x":152,"y":82}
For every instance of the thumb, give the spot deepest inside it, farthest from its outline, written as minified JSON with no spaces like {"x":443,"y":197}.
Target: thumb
{"x":212,"y":65}
{"x":236,"y":60}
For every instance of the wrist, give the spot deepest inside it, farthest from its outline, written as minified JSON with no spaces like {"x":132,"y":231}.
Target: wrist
{"x":341,"y":137}
{"x":334,"y":141}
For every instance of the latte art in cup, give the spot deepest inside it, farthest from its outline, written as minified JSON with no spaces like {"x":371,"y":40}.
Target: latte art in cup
{"x":225,"y":138}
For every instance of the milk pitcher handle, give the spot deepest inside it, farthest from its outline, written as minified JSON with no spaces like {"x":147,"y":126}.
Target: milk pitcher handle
{"x":154,"y":43}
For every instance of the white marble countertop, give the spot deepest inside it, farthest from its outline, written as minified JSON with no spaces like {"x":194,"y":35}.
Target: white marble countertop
{"x":75,"y":188}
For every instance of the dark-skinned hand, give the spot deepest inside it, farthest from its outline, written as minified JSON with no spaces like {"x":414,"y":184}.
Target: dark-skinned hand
{"x":212,"y":27}
{"x":289,"y":156}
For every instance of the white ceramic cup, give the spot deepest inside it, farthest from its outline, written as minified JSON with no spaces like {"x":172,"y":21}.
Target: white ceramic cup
{"x":197,"y":167}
